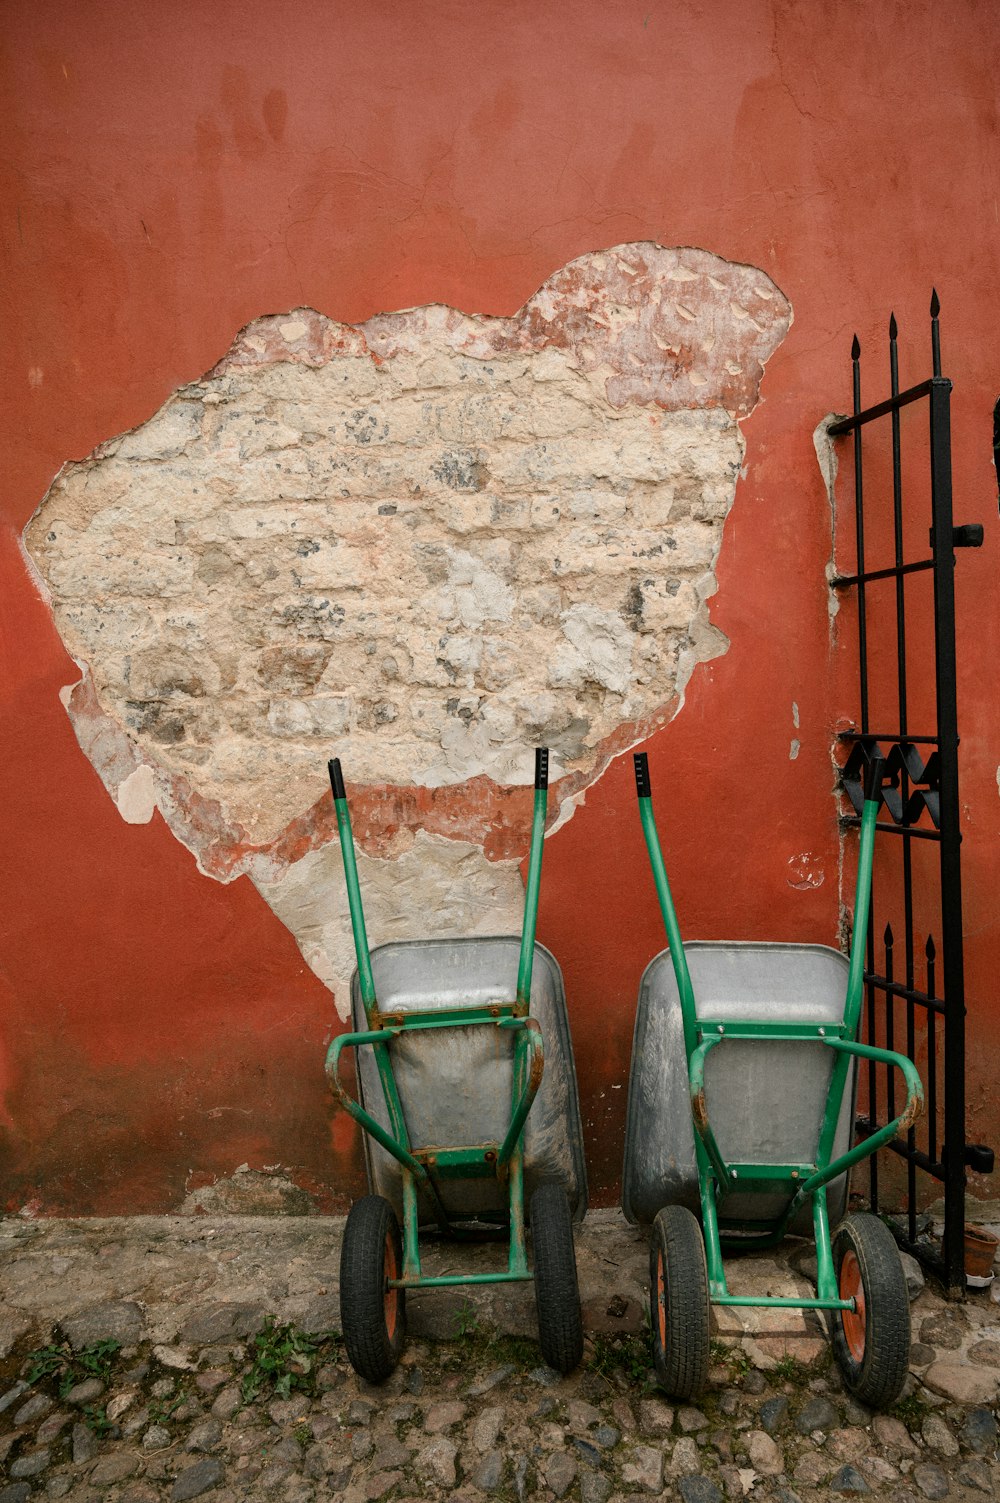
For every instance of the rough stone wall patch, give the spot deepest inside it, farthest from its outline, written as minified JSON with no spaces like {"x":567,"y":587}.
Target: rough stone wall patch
{"x":426,"y":544}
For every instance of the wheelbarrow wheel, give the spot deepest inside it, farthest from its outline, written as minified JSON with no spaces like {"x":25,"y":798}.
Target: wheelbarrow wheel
{"x":872,"y":1343}
{"x":557,"y":1293}
{"x":372,"y":1316}
{"x":679,"y":1303}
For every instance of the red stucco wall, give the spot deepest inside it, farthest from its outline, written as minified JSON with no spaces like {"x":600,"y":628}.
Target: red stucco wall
{"x":171,"y":172}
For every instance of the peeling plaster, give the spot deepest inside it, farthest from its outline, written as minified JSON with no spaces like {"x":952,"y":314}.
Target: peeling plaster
{"x":426,"y":543}
{"x":805,"y":872}
{"x":827,"y":459}
{"x":441,"y":889}
{"x":137,"y":796}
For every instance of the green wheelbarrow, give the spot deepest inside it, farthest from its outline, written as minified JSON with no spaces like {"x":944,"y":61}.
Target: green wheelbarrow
{"x":739,"y":1129}
{"x":466,"y":1091}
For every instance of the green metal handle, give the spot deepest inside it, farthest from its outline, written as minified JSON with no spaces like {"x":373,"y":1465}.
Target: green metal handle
{"x":365,"y":978}
{"x":863,"y":897}
{"x":911,"y":1111}
{"x":699,"y":1111}
{"x":535,"y":1066}
{"x":838,"y":1166}
{"x":667,"y":909}
{"x":453,"y":1280}
{"x":366,"y":983}
{"x":533,"y":885}
{"x":859,"y":941}
{"x":376,"y":1036}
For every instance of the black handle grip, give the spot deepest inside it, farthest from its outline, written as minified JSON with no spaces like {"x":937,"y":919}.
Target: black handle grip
{"x":541,"y":767}
{"x":336,"y":778}
{"x":641,"y":761}
{"x":874,"y":778}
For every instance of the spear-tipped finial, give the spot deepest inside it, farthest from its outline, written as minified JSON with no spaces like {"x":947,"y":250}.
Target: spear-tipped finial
{"x":893,"y":358}
{"x":929,"y":949}
{"x":887,"y":937}
{"x":856,"y":349}
{"x":935,"y":332}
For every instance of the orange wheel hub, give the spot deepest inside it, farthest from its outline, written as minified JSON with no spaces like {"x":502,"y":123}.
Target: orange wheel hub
{"x":855,"y":1321}
{"x":391,"y":1268}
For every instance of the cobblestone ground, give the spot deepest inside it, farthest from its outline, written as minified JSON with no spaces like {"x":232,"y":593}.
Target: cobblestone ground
{"x":183,"y":1358}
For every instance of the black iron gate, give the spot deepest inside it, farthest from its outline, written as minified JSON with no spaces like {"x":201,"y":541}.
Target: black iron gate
{"x":915,"y":995}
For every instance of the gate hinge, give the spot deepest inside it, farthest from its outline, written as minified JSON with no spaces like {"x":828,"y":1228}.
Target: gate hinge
{"x":979,"y":1158}
{"x":969,"y":535}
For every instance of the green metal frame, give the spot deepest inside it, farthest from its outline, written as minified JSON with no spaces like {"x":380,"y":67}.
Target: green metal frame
{"x":427,"y":1167}
{"x":701,"y":1035}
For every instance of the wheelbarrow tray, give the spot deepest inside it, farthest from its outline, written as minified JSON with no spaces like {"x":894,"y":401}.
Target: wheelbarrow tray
{"x":765,"y":1099}
{"x":455,"y":1084}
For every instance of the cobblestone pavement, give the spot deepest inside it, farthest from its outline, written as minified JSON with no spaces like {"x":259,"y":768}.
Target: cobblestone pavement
{"x":188,"y":1357}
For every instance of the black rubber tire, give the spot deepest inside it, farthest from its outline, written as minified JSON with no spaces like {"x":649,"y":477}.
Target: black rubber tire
{"x":678,"y":1303}
{"x":874,"y":1356}
{"x":557,"y":1293}
{"x":372,"y":1317}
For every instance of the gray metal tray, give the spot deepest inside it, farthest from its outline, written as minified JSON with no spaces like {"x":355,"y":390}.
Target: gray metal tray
{"x":765,"y":1100}
{"x":455,"y":1083}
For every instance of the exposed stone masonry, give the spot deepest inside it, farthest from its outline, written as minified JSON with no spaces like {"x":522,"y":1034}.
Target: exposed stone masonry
{"x":425,"y":544}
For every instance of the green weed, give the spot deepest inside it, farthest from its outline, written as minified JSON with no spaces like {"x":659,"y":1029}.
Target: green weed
{"x":478,"y":1342}
{"x":46,"y":1362}
{"x":627,"y":1354}
{"x":789,"y":1369}
{"x":510,"y":1351}
{"x":466,"y":1320}
{"x":161,"y":1411}
{"x":98,"y":1359}
{"x":283,"y":1360}
{"x":96,"y":1419}
{"x":912,"y":1411}
{"x":67,"y":1368}
{"x":733,"y":1357}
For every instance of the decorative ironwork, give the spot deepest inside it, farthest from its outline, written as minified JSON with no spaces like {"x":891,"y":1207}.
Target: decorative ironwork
{"x":904,"y":767}
{"x":920,"y":802}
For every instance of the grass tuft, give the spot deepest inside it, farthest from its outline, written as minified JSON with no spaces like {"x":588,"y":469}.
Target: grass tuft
{"x":627,"y":1354}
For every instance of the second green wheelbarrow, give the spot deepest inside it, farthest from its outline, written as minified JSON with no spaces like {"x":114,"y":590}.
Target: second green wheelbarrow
{"x":739,"y":1128}
{"x":467,"y":1095}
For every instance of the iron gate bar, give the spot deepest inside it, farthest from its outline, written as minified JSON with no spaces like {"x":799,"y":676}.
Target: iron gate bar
{"x":890,"y":1012}
{"x":929,"y":952}
{"x":897,"y":512}
{"x":876,"y":735}
{"x":953,"y":968}
{"x":933,"y":1167}
{"x":897,"y":989}
{"x":859,"y":525}
{"x":859,"y":418}
{"x":910,"y":833}
{"x":893,"y":573}
{"x":918,"y":788}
